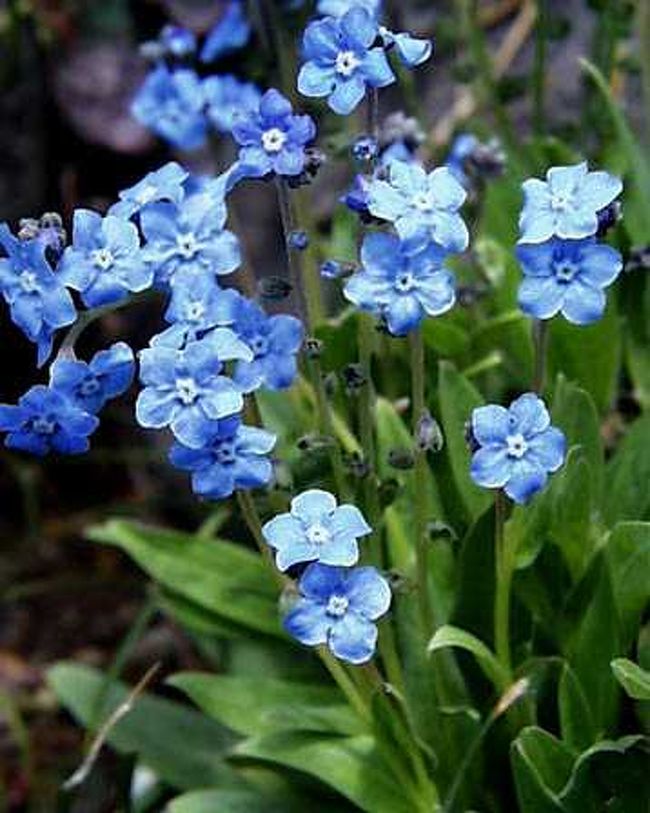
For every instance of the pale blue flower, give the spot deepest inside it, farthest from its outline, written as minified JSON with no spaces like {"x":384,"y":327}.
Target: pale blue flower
{"x":165,"y":183}
{"x":89,"y":385}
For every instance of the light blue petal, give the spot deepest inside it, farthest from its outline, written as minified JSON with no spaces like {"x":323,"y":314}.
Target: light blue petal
{"x":583,"y":304}
{"x":599,"y":189}
{"x":283,"y":531}
{"x":536,"y":259}
{"x":312,"y":505}
{"x":548,"y":449}
{"x":529,"y":414}
{"x":490,"y":424}
{"x":308,"y":622}
{"x":347,"y":95}
{"x":297,"y":553}
{"x":153,"y":409}
{"x":403,"y":313}
{"x":341,"y":551}
{"x":315,"y":80}
{"x":353,"y":639}
{"x":369,"y":592}
{"x":525,"y":481}
{"x":347,"y":519}
{"x":540,"y":297}
{"x":577,"y":222}
{"x":321,"y":581}
{"x":376,"y":69}
{"x":600,"y":264}
{"x":491,"y":467}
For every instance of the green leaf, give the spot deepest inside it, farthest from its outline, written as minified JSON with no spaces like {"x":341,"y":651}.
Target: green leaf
{"x":445,"y":337}
{"x":227,"y":579}
{"x":576,"y":720}
{"x":627,"y":495}
{"x":232,"y":801}
{"x":458,"y":398}
{"x":255,"y":705}
{"x":552,"y":759}
{"x":475,"y":592}
{"x":154,"y":729}
{"x":634,"y":679}
{"x":571,"y":512}
{"x":634,"y":304}
{"x":453,"y":636}
{"x":510,"y":333}
{"x":351,"y":765}
{"x":532,"y":794}
{"x":628,"y":554}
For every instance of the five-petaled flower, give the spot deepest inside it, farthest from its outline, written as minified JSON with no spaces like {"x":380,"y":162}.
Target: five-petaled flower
{"x":229,"y":99}
{"x":234,"y":456}
{"x":272,"y":138}
{"x":341,"y":60}
{"x":568,"y":277}
{"x":413,"y":200}
{"x":316,"y":529}
{"x":339,"y":607}
{"x":518,"y":447}
{"x":165,"y":183}
{"x":402,"y":280}
{"x":566,"y":204}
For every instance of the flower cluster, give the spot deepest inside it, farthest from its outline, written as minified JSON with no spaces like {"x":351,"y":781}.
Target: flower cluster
{"x":566,"y":269}
{"x":338,"y":602}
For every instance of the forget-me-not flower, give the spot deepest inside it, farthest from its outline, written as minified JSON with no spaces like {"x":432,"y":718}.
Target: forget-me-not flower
{"x":104,"y":262}
{"x":186,"y":389}
{"x":414,"y":200}
{"x":340,"y":60}
{"x":38,"y":301}
{"x":177,"y":42}
{"x":46,"y":421}
{"x":567,"y":277}
{"x":171,"y":104}
{"x":403,"y":280}
{"x":89,"y":385}
{"x":274,"y":342}
{"x":231,"y":31}
{"x":566,"y":204}
{"x":339,"y":607}
{"x":188,"y":237}
{"x":228,"y":99}
{"x":165,"y":183}
{"x":234,"y":456}
{"x":272,"y":138}
{"x":412,"y":51}
{"x":518,"y":447}
{"x":337,"y":8}
{"x":316,"y":529}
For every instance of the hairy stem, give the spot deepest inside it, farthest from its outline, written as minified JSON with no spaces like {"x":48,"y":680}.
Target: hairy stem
{"x":540,"y":343}
{"x":504,"y":565}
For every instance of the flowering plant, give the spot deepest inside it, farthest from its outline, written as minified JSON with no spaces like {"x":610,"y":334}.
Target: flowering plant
{"x":417,"y":559}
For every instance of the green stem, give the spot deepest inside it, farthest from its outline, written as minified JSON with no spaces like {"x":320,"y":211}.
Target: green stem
{"x":540,"y":342}
{"x":644,"y":55}
{"x":539,"y":68}
{"x":254,"y":523}
{"x":345,"y":684}
{"x":287,"y":216}
{"x":504,"y":565}
{"x":420,"y":486}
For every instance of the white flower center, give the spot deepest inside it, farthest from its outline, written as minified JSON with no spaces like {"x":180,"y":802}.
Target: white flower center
{"x":195,"y":311}
{"x":186,"y":390}
{"x":102,"y":258}
{"x":259,"y":345}
{"x":517,"y":446}
{"x":337,"y":606}
{"x":187,"y":245}
{"x":28,"y":282}
{"x":560,"y":202}
{"x":565,"y":270}
{"x":405,"y":282}
{"x":424,"y":201}
{"x":273,"y":140}
{"x":89,"y":387}
{"x":317,"y":534}
{"x":43,"y":425}
{"x":225,"y":452}
{"x":347,"y":62}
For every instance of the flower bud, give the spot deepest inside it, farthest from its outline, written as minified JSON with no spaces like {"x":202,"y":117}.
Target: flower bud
{"x":428,"y":434}
{"x":402,"y":459}
{"x":274,"y":289}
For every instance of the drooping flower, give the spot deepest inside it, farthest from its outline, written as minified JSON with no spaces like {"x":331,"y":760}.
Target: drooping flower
{"x":316,"y":529}
{"x":46,"y":421}
{"x":403,"y":280}
{"x":189,"y":237}
{"x":274,"y":342}
{"x":89,"y":385}
{"x":339,"y":608}
{"x":197,"y":305}
{"x":272,"y":138}
{"x":412,"y":51}
{"x":165,"y":183}
{"x":566,"y":204}
{"x":414,"y":200}
{"x":518,"y":447}
{"x":340,"y":60}
{"x":337,"y":8}
{"x":171,"y":104}
{"x":229,"y":99}
{"x":186,"y":390}
{"x":104,"y":262}
{"x":567,"y":277}
{"x":234,"y":456}
{"x":38,"y":301}
{"x":231,"y":31}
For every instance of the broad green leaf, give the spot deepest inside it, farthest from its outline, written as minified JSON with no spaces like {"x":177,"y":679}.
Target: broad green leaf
{"x":181,"y":746}
{"x":551,"y":758}
{"x":232,"y":801}
{"x":227,"y":579}
{"x":627,"y":495}
{"x":576,"y":720}
{"x":510,"y":334}
{"x":445,"y":337}
{"x":458,"y":398}
{"x":199,"y":619}
{"x":449,"y":636}
{"x":254,"y":706}
{"x":351,"y":765}
{"x":634,"y":679}
{"x":475,"y":594}
{"x":571,"y":512}
{"x":532,"y":794}
{"x":628,"y":554}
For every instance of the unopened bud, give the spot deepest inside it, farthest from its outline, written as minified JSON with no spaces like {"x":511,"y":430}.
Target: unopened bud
{"x":274,"y":289}
{"x":402,"y":459}
{"x":428,"y":434}
{"x":313,"y":348}
{"x":353,"y":377}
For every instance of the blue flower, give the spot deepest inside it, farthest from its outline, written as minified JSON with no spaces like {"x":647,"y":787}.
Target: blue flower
{"x":518,"y":447}
{"x":233,"y":456}
{"x":177,"y":41}
{"x":188,"y":237}
{"x":165,"y":183}
{"x":37,"y":299}
{"x":104,"y":262}
{"x":340,"y":60}
{"x":403,"y":280}
{"x":462,"y":148}
{"x":413,"y":201}
{"x":566,"y":204}
{"x":412,"y":51}
{"x":228,"y":99}
{"x":89,"y":385}
{"x":339,"y":608}
{"x":316,"y":529}
{"x":568,"y":277}
{"x":185,"y":390}
{"x":46,"y":421}
{"x":274,"y":342}
{"x":337,"y":8}
{"x":170,"y":103}
{"x":232,"y":31}
{"x":197,"y":305}
{"x":272,"y":139}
